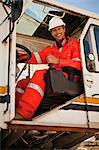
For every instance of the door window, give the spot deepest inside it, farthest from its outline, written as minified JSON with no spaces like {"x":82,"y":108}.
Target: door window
{"x":91,"y":48}
{"x":96,"y":32}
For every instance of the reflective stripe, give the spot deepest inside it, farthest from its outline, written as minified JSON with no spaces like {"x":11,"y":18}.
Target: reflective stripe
{"x":36,"y":87}
{"x":37,"y":56}
{"x":76,"y":59}
{"x":21,"y":91}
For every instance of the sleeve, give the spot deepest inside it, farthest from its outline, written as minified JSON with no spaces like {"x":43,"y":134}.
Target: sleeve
{"x":39,"y":57}
{"x":74,"y":61}
{"x":22,"y":55}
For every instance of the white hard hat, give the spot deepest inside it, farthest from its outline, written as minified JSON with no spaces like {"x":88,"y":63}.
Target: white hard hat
{"x":55,"y":22}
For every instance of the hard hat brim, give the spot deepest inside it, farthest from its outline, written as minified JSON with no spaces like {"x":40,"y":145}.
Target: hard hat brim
{"x":56,"y":26}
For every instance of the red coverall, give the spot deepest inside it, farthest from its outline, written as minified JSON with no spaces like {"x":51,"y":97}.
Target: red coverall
{"x":29,"y":92}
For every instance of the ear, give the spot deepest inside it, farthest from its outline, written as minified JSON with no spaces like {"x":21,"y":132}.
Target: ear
{"x":51,"y":33}
{"x":64,"y":27}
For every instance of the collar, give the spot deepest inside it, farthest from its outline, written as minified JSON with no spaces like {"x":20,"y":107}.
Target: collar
{"x":64,"y":42}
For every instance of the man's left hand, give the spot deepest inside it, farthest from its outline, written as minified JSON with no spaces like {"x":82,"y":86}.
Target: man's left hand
{"x":52,"y":59}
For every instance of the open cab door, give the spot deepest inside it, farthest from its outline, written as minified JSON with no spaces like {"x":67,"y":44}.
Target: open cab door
{"x":10,"y":11}
{"x":89,"y":42}
{"x":7,"y":66}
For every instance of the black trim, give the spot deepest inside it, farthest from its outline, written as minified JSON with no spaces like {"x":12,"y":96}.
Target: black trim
{"x":95,"y":95}
{"x":81,"y":107}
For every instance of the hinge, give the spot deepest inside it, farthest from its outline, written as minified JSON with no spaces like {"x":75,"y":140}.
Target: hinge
{"x":5,"y":98}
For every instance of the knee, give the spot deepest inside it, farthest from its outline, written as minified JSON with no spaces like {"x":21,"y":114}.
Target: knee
{"x":39,"y":75}
{"x":19,"y":83}
{"x":23,"y":82}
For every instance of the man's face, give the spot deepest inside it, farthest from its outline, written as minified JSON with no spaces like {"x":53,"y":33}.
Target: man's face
{"x":58,"y":33}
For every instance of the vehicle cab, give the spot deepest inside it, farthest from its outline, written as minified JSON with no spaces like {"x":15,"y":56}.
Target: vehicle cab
{"x":30,"y":29}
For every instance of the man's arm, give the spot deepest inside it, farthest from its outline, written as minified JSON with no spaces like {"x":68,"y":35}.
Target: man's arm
{"x":75,"y":60}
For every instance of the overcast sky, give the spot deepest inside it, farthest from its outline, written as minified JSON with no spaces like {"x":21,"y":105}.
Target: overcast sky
{"x":91,"y":5}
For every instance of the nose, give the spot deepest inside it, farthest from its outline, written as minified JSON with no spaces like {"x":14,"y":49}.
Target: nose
{"x":57,"y":31}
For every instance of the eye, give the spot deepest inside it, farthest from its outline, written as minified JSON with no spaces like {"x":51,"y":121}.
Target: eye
{"x":59,"y":28}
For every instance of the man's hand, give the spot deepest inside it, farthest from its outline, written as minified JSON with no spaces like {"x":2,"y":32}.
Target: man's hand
{"x":52,"y":59}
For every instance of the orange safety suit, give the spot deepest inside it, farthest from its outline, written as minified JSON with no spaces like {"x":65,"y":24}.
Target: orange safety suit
{"x":30,"y":91}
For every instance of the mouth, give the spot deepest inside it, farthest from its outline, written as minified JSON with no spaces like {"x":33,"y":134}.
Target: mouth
{"x":59,"y":36}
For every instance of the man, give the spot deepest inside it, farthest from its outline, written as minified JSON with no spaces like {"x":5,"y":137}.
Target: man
{"x":65,"y":52}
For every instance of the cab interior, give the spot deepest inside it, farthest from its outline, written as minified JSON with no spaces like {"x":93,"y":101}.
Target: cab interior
{"x":40,"y":39}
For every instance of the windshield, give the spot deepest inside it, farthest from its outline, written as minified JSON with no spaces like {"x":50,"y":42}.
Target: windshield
{"x":32,"y":18}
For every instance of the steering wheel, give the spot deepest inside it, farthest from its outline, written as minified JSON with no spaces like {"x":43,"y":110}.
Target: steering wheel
{"x":26,"y":54}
